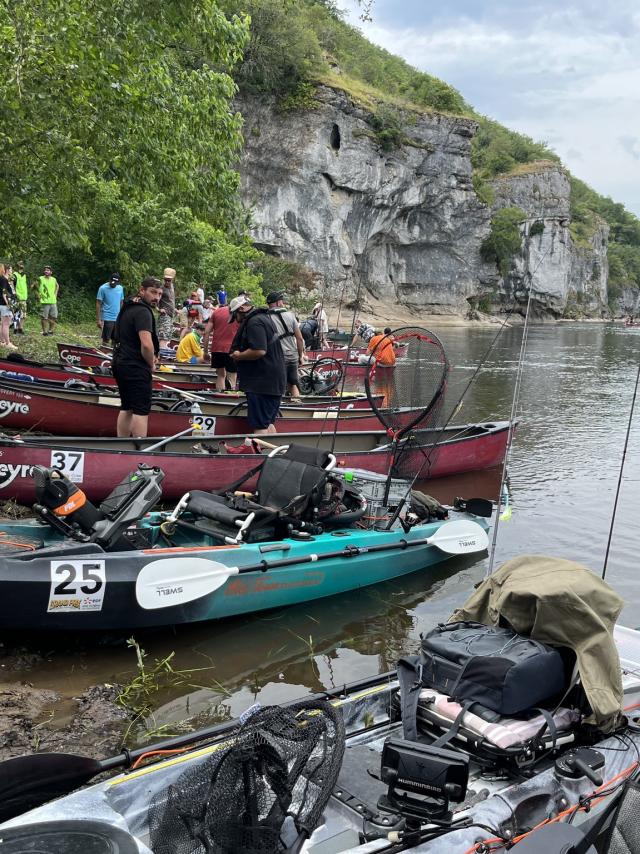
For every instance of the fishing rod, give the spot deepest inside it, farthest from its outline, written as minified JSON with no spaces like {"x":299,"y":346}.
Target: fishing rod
{"x":622,"y":464}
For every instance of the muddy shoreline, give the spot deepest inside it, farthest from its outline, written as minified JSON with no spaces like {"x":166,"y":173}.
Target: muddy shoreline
{"x":33,"y":719}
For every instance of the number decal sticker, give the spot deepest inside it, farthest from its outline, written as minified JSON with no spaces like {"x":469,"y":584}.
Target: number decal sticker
{"x":77,"y":585}
{"x":205,"y":425}
{"x":69,"y":463}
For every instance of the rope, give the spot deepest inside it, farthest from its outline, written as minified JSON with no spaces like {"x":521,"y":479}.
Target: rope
{"x":622,"y":462}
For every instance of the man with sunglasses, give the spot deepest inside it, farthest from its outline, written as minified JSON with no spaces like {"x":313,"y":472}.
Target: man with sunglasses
{"x":167,"y":307}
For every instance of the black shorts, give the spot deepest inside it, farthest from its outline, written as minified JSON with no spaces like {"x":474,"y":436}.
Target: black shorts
{"x":293,"y":378}
{"x":107,"y":330}
{"x":223,"y":360}
{"x":262,"y":409}
{"x":134,"y":384}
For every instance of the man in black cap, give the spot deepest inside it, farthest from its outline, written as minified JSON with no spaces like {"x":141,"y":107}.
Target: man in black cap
{"x":291,"y":340}
{"x":109,"y":301}
{"x":257,"y":352}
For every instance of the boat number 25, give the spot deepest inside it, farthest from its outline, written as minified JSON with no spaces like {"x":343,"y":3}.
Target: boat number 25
{"x":76,"y":585}
{"x":87,"y":578}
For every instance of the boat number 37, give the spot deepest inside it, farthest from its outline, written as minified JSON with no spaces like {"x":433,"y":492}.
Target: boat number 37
{"x":76,"y":585}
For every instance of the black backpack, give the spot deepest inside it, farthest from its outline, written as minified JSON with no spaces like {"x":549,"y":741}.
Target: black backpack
{"x":490,"y":666}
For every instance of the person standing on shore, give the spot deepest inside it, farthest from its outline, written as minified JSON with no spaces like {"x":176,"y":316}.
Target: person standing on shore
{"x":291,"y":340}
{"x":5,"y":311}
{"x":167,"y":307}
{"x":108,"y":305}
{"x":261,"y":372}
{"x":22,"y":295}
{"x":134,"y":355}
{"x":221,"y":330}
{"x":48,"y":289}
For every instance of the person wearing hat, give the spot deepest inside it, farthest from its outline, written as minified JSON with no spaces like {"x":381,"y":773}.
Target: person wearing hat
{"x":194,"y":309}
{"x":257,"y":352}
{"x":291,"y":340}
{"x":134,"y":356}
{"x":323,"y":323}
{"x":167,"y":307}
{"x":109,"y":301}
{"x":217,"y":340}
{"x":190,"y":347}
{"x":48,"y":289}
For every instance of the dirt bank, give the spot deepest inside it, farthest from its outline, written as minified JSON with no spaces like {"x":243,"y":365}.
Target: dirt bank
{"x":33,"y":719}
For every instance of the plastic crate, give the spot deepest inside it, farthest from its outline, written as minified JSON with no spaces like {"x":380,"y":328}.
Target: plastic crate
{"x":372,"y":486}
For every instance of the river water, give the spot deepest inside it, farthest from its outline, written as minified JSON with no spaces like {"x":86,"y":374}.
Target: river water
{"x":577,"y":387}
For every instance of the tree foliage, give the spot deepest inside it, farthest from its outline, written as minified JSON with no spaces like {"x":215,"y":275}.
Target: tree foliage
{"x":504,"y":241}
{"x":496,"y":149}
{"x":118,"y":139}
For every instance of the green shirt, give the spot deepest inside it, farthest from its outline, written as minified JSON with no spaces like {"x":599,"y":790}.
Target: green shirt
{"x":48,"y":290}
{"x":21,"y":286}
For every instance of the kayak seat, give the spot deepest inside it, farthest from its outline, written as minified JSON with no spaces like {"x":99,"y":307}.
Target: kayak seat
{"x":290,"y":486}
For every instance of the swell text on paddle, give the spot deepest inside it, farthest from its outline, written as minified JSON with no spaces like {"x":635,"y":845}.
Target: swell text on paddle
{"x":168,"y":591}
{"x":7,"y":406}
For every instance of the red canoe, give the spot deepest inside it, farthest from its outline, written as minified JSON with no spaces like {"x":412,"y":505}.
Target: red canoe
{"x":50,"y":373}
{"x":98,"y":465}
{"x":52,"y":411}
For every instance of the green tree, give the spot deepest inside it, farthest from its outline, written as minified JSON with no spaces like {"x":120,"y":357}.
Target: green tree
{"x":115,"y":115}
{"x":504,"y":241}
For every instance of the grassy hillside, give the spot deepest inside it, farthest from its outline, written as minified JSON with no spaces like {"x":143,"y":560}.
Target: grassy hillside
{"x":296,"y":44}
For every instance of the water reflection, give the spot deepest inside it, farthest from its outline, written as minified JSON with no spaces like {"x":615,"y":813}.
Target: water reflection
{"x":576,"y":395}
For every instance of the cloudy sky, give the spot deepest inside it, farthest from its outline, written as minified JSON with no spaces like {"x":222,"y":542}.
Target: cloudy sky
{"x":566,"y":73}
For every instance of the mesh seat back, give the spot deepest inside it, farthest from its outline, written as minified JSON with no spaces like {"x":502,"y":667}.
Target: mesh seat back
{"x":283,"y":479}
{"x":625,"y":832}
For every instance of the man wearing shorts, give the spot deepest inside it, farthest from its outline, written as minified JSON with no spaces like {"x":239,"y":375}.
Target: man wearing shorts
{"x":260,"y":360}
{"x":109,"y":301}
{"x":22,"y":293}
{"x":48,"y":292}
{"x":291,"y":340}
{"x":135,"y":350}
{"x":217,"y":340}
{"x":167,"y":307}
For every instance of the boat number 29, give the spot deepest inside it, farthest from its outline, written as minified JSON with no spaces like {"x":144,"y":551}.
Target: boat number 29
{"x":69,"y":463}
{"x":205,"y":425}
{"x":76,"y":585}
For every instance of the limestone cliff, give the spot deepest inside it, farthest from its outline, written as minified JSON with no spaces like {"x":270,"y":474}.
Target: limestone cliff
{"x":404,"y":225}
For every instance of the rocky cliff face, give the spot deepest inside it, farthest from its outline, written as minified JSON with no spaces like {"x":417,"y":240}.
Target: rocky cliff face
{"x":567,"y":277}
{"x":403,"y":225}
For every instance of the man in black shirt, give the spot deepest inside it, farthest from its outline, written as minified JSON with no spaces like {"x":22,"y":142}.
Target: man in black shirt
{"x":135,"y":349}
{"x":257,"y":351}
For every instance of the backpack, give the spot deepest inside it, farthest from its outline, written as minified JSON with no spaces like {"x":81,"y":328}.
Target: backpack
{"x":489,"y":666}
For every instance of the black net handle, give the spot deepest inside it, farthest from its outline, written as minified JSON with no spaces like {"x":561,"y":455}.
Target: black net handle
{"x":400,"y":335}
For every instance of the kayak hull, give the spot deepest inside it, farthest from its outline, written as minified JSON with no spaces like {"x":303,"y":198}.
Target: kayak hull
{"x":72,"y":586}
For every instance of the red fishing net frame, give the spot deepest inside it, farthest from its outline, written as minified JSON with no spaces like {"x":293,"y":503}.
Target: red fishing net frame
{"x":405,"y":415}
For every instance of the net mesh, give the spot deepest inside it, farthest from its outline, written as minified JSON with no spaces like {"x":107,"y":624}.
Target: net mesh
{"x":413,"y":389}
{"x":279,"y":766}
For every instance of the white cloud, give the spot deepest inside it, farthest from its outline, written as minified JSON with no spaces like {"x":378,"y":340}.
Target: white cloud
{"x":562,"y":74}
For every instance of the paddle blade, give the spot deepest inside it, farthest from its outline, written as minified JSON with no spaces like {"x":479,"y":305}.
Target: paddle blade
{"x":175,"y":581}
{"x":27,"y":782}
{"x":460,"y":538}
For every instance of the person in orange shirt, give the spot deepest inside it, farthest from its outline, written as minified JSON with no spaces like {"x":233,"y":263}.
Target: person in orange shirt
{"x":383,"y":354}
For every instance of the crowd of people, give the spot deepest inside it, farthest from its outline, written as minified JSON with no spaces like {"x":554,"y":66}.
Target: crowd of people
{"x":14,"y":295}
{"x":258,"y":348}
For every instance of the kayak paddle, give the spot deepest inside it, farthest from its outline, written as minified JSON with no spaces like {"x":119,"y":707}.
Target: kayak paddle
{"x":175,"y":581}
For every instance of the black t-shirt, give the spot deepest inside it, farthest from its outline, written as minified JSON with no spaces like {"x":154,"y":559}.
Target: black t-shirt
{"x":134,"y":317}
{"x":5,"y":291}
{"x":268,"y":374}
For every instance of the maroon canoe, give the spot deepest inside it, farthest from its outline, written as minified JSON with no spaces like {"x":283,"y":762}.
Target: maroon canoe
{"x":98,"y":465}
{"x":51,"y":411}
{"x":60,"y":374}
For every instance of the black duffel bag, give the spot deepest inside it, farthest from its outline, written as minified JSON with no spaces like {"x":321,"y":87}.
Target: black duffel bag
{"x":490,"y":666}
